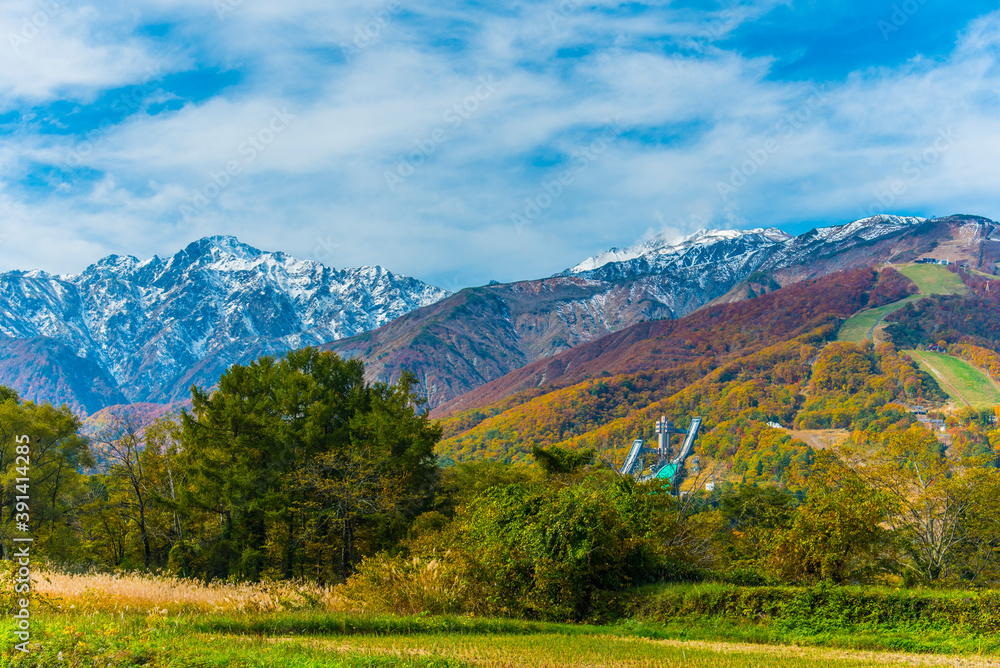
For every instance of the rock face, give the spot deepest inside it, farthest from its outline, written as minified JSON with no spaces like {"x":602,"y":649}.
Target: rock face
{"x":480,"y":334}
{"x":129,"y":331}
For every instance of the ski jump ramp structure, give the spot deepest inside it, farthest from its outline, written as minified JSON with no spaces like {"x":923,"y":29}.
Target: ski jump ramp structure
{"x":634,"y":462}
{"x":664,"y":468}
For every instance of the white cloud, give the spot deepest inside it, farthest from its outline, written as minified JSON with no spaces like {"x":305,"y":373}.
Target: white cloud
{"x":318,"y":189}
{"x":56,"y":48}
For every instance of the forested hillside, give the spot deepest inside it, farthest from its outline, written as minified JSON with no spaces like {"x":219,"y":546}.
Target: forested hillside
{"x":729,"y":370}
{"x":299,"y":469}
{"x":706,"y":337}
{"x":738,"y":382}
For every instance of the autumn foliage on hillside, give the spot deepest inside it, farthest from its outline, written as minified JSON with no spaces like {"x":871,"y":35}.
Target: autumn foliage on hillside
{"x":691,"y":348}
{"x":558,"y":415}
{"x":793,"y":382}
{"x":715,"y":334}
{"x":972,"y":319}
{"x":892,"y":286}
{"x":984,"y":358}
{"x":739,"y":399}
{"x":853,"y":385}
{"x":735,"y":402}
{"x":976,"y":433}
{"x":980,"y":285}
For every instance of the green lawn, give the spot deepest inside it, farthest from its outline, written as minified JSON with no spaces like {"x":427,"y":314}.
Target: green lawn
{"x":964,"y":383}
{"x":931,"y":279}
{"x":325,"y":640}
{"x":857,"y":327}
{"x":934,"y":279}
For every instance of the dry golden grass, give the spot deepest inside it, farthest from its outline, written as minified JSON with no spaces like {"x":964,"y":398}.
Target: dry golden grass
{"x":157,"y":594}
{"x":400,"y":586}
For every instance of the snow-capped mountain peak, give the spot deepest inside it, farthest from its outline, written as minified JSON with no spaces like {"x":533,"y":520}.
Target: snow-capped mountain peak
{"x":705,"y":245}
{"x":664,"y":248}
{"x":157,"y":326}
{"x":868,"y":228}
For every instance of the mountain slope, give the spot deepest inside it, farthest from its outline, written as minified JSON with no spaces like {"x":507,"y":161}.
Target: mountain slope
{"x":148,"y":330}
{"x":481,"y":334}
{"x":42,"y":368}
{"x":706,"y":337}
{"x":658,"y":279}
{"x":739,"y":366}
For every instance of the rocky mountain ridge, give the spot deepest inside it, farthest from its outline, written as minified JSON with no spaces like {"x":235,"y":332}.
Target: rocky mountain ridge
{"x":125,"y":330}
{"x":481,"y":334}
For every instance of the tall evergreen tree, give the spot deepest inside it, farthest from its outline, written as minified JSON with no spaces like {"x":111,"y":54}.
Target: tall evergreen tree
{"x":293,"y":457}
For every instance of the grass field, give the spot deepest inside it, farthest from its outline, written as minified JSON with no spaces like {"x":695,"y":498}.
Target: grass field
{"x":931,"y":279}
{"x":321,"y":640}
{"x":934,"y":279}
{"x":608,"y":650}
{"x":983,"y":274}
{"x":857,"y":328}
{"x":114,"y":622}
{"x":964,"y":383}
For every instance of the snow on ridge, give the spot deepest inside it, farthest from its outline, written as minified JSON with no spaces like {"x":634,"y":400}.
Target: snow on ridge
{"x":871,"y":227}
{"x":660,"y":248}
{"x":214,"y":297}
{"x":661,"y":245}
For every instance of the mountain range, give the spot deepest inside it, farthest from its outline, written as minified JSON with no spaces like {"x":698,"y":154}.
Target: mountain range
{"x":125,"y":331}
{"x":465,"y":345}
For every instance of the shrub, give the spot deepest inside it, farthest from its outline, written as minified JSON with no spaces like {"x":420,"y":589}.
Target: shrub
{"x":411,"y":585}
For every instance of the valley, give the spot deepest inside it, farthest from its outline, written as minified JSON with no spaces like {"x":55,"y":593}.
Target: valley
{"x":303,"y":509}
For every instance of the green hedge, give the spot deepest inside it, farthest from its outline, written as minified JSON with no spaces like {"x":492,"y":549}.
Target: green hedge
{"x":823,"y":608}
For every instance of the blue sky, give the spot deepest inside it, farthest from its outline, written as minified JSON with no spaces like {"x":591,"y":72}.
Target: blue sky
{"x":461,"y":142}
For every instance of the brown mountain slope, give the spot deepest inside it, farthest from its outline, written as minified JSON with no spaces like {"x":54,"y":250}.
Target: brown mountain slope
{"x":709,"y":335}
{"x":481,"y":334}
{"x":436,"y":344}
{"x":43,"y":367}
